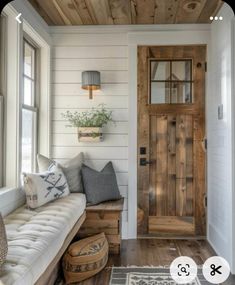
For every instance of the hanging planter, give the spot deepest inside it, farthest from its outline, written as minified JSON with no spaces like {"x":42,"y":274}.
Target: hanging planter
{"x":89,"y":124}
{"x":90,"y":134}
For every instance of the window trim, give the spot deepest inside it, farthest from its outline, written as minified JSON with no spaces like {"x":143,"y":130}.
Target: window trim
{"x":13,"y":101}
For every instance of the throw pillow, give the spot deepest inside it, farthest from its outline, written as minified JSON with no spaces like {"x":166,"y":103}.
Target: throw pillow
{"x":41,"y":188}
{"x":3,"y":242}
{"x":71,"y":169}
{"x":44,"y":163}
{"x":100,"y":186}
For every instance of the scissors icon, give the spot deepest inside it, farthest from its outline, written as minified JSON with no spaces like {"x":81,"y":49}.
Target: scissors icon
{"x":215,"y":269}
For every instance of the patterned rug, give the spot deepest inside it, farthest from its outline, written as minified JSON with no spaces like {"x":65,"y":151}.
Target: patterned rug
{"x":147,"y":276}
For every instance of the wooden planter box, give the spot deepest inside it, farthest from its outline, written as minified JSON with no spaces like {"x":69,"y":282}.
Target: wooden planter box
{"x":90,"y":134}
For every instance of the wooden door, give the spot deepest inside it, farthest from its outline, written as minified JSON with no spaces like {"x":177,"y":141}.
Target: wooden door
{"x":171,"y":133}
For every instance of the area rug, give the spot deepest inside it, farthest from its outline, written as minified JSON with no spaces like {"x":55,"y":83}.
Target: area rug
{"x":147,"y":276}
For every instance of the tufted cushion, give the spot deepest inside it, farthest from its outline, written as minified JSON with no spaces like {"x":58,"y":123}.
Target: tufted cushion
{"x":3,"y":242}
{"x":85,"y":258}
{"x":36,"y":236}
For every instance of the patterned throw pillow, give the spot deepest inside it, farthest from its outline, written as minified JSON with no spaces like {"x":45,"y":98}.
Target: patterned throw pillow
{"x":3,"y":242}
{"x":71,"y":170}
{"x":41,"y":188}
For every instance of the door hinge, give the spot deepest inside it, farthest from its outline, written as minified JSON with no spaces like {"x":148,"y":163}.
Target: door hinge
{"x":206,"y":66}
{"x":205,"y":144}
{"x":205,"y":201}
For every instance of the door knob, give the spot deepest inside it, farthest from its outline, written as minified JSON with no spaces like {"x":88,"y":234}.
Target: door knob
{"x":144,"y":162}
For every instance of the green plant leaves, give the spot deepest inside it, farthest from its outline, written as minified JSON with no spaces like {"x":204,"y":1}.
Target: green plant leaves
{"x":97,"y":117}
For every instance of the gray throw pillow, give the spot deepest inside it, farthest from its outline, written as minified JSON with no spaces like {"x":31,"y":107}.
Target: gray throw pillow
{"x":44,"y":163}
{"x":71,"y":170}
{"x":100,"y":186}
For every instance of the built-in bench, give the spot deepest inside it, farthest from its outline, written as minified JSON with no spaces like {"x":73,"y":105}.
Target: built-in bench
{"x":105,"y":217}
{"x":38,"y":238}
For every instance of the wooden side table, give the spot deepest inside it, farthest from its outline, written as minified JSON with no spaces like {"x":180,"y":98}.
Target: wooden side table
{"x":105,"y":217}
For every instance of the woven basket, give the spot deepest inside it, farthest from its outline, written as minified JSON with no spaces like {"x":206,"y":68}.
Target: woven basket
{"x":3,"y":242}
{"x":85,"y":258}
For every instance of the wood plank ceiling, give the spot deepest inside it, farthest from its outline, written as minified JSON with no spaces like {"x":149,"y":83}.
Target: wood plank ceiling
{"x":125,"y":12}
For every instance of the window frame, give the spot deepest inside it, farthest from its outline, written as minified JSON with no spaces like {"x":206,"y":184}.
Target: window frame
{"x":34,"y":108}
{"x":13,"y":92}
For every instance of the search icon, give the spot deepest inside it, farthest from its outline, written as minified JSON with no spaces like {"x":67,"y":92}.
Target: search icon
{"x":183,"y":270}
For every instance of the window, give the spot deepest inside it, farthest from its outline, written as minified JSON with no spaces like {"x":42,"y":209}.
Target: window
{"x":29,"y":109}
{"x":171,"y":82}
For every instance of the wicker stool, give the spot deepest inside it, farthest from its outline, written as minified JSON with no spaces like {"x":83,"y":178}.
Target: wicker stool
{"x":85,"y":258}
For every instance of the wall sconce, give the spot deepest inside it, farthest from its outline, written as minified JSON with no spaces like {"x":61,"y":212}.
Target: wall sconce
{"x":91,"y":81}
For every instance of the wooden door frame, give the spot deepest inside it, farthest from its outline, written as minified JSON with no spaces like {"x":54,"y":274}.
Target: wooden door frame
{"x":188,"y":35}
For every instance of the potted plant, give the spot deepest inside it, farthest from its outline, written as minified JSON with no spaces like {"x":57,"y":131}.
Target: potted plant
{"x":90,"y":123}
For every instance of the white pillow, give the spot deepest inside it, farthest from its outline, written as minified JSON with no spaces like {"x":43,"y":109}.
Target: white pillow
{"x":41,"y":188}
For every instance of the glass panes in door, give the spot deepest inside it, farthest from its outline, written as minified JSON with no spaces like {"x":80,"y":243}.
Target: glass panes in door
{"x":171,"y":82}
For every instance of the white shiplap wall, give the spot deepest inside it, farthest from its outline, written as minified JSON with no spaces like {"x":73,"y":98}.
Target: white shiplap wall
{"x":108,"y":53}
{"x":220,"y":191}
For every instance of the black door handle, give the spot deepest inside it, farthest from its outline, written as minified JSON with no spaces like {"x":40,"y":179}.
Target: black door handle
{"x":144,"y":162}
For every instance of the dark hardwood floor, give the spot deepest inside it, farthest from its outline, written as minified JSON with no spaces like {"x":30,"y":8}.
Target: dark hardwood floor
{"x":154,"y":252}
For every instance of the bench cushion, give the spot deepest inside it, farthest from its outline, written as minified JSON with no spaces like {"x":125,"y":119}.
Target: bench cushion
{"x":35,"y":237}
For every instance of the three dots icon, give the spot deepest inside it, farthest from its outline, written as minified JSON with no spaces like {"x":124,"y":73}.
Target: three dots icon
{"x":216,"y":18}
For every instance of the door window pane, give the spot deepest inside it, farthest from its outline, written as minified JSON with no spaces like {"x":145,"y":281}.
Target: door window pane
{"x":160,"y":92}
{"x":160,"y":70}
{"x":28,"y":141}
{"x":181,"y":70}
{"x":181,"y":93}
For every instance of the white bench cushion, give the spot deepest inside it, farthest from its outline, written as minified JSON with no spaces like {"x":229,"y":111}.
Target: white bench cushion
{"x":36,"y":236}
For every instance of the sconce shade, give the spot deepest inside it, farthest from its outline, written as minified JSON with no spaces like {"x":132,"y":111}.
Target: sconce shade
{"x":90,"y":81}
